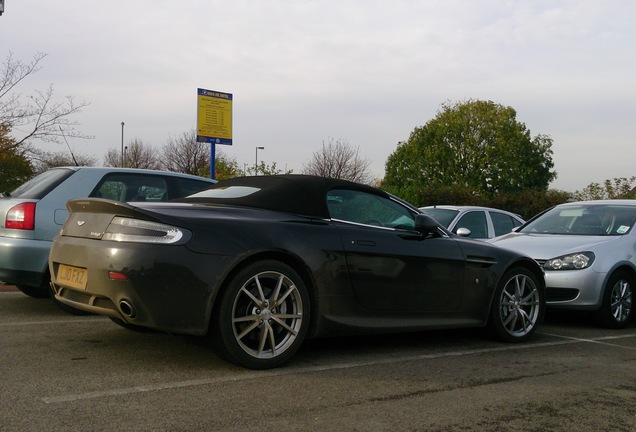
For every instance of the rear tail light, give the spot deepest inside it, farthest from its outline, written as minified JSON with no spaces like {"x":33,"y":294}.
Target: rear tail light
{"x":21,"y":216}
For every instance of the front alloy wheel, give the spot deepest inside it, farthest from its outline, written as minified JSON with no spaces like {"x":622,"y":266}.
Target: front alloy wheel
{"x":518,"y":306}
{"x":616,"y":311}
{"x":263,"y":316}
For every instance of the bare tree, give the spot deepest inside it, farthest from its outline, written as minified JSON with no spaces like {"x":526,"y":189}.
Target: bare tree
{"x":38,"y":116}
{"x":136,"y":155}
{"x":185,"y":155}
{"x":43,"y":160}
{"x":337,"y":159}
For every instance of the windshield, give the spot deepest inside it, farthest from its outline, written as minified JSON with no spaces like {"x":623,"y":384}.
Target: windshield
{"x":443,"y":216}
{"x":592,"y":219}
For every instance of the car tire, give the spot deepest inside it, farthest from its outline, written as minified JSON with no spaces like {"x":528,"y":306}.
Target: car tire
{"x":518,"y":306}
{"x":262,"y":316}
{"x":35,"y":292}
{"x":617,"y":309}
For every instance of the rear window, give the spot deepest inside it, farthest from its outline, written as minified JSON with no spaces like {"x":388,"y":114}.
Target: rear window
{"x":42,"y":184}
{"x":227,"y":192}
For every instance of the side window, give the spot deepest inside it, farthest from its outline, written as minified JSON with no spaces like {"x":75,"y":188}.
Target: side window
{"x":369,"y":209}
{"x":502,"y":223}
{"x":475,"y":221}
{"x":131,"y":187}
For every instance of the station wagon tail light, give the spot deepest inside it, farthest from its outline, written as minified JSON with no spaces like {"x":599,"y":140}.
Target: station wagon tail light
{"x":21,"y":216}
{"x":140,"y":231}
{"x":575,"y":261}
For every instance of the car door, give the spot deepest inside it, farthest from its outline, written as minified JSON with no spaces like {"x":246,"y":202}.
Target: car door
{"x":475,"y":221}
{"x":503,"y":223}
{"x":391,"y":267}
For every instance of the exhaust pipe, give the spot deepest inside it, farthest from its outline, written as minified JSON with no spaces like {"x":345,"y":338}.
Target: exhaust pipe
{"x":127,"y":309}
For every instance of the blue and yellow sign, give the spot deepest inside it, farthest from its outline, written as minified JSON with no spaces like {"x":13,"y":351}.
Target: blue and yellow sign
{"x":214,"y":117}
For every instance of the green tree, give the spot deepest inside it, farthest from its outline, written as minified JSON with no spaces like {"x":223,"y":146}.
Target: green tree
{"x":264,"y":169}
{"x":225,"y":167}
{"x":475,"y":145}
{"x":15,"y":168}
{"x":616,"y":188}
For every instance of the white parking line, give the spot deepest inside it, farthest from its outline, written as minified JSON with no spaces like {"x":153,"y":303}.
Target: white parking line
{"x":66,"y":321}
{"x":248,"y":375}
{"x":599,"y":340}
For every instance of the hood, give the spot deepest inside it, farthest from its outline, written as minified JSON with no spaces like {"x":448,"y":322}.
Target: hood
{"x":546,"y":246}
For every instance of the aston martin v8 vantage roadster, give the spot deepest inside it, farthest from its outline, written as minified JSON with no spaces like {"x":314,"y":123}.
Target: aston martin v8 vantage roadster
{"x":259,"y":264}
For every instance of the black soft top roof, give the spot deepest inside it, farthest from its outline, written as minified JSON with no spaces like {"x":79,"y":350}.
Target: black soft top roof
{"x":292,"y":193}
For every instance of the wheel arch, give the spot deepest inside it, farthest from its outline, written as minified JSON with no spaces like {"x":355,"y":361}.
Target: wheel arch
{"x":530,"y":265}
{"x":627,"y":267}
{"x":293,"y":261}
{"x":494,"y":322}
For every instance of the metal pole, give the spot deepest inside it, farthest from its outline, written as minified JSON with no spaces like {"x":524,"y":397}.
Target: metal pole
{"x":256,"y":160}
{"x":122,"y":144}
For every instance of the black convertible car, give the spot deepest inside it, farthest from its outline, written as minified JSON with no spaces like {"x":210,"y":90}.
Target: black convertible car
{"x":261,"y":263}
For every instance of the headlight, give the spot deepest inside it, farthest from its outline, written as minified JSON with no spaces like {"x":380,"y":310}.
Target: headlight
{"x":576,"y":261}
{"x":141,"y":231}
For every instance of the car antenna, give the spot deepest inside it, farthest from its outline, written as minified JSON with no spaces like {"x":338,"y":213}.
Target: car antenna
{"x":69,"y":147}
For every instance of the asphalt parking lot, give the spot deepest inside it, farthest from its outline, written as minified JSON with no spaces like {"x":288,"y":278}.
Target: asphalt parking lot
{"x":83,"y":373}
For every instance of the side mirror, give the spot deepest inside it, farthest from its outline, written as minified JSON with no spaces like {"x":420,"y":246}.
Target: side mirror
{"x":463,"y":232}
{"x":425,"y":224}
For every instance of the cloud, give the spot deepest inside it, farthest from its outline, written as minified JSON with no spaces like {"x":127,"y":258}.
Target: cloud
{"x":364,"y":71}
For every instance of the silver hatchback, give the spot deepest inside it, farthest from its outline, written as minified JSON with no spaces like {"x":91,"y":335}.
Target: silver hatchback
{"x":474,"y":221}
{"x":588,"y":253}
{"x":33,"y":214}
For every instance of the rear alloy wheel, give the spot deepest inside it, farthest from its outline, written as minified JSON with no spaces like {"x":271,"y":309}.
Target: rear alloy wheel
{"x":518,"y":306}
{"x":616,"y":311}
{"x":263,"y":316}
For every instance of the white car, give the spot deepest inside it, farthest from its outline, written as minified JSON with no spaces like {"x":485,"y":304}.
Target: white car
{"x":473,"y":221}
{"x":33,"y":214}
{"x":588,"y":254}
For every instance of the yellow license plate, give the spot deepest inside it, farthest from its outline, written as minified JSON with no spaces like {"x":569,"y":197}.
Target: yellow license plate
{"x":74,"y":277}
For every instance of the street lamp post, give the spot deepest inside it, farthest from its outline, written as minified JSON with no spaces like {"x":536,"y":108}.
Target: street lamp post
{"x":122,"y":144}
{"x":256,"y":161}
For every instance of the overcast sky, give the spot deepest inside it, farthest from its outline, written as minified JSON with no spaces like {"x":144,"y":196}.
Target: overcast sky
{"x":364,"y":71}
